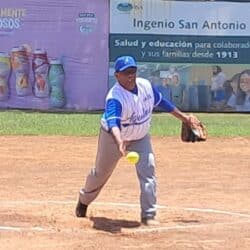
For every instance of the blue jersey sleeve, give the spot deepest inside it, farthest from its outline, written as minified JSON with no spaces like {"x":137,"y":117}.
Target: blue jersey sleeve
{"x":162,"y":102}
{"x":112,"y":113}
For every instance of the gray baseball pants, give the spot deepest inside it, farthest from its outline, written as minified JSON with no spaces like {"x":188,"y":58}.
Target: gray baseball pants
{"x":107,"y":158}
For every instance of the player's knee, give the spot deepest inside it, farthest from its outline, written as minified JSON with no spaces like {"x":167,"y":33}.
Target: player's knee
{"x":147,"y":160}
{"x":146,"y":166}
{"x":93,"y":172}
{"x":151,"y":160}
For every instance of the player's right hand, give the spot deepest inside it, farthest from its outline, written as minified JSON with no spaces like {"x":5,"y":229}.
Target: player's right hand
{"x":121,"y":144}
{"x":122,"y":148}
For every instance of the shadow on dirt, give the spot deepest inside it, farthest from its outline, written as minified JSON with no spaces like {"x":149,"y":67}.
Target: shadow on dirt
{"x":112,"y":226}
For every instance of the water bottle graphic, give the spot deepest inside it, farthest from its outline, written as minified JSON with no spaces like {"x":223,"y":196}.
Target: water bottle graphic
{"x":20,"y":66}
{"x":5,"y":69}
{"x":204,"y":95}
{"x":40,"y":66}
{"x":56,"y":81}
{"x":193,"y":98}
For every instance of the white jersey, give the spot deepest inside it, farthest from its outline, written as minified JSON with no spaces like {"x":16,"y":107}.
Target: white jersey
{"x":136,"y":109}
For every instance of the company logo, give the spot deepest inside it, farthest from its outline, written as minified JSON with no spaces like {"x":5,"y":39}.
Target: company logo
{"x":125,"y":7}
{"x":87,"y":22}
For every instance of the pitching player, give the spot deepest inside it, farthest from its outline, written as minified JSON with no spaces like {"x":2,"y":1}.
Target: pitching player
{"x":125,"y":127}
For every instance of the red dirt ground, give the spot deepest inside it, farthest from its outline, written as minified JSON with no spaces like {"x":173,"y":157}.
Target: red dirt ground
{"x":203,"y":196}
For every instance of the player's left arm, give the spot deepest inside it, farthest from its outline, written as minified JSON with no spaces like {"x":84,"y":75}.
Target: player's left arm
{"x":165,"y":104}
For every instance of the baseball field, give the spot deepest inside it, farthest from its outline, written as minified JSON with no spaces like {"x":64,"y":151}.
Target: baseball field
{"x":203,"y":188}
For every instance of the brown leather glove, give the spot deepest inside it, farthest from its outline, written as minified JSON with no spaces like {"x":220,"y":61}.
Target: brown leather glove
{"x":193,"y":132}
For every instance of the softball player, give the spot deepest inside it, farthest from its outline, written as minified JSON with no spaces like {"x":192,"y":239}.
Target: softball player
{"x":125,"y":127}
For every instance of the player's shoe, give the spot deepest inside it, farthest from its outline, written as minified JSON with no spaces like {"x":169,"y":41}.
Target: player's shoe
{"x":150,"y":221}
{"x":81,"y":209}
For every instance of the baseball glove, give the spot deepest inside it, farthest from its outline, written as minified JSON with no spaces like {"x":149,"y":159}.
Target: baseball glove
{"x":193,"y":133}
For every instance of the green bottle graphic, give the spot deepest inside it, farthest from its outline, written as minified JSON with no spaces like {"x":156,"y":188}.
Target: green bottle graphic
{"x":56,"y":81}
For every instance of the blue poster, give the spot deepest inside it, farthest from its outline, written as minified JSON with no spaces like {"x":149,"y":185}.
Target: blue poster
{"x":200,"y":62}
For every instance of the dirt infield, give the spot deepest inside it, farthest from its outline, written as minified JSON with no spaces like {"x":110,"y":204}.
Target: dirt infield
{"x":203,"y":196}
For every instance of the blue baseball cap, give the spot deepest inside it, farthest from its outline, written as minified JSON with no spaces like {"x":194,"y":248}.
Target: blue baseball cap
{"x":124,"y":62}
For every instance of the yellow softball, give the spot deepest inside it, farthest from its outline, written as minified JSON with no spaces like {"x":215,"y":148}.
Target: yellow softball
{"x":133,"y":157}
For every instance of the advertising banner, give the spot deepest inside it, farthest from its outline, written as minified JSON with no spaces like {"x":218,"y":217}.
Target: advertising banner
{"x":196,"y":53}
{"x":53,"y":54}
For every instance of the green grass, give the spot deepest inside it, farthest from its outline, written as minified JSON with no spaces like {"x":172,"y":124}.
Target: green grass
{"x":14,"y":122}
{"x":217,"y":124}
{"x":36,"y":123}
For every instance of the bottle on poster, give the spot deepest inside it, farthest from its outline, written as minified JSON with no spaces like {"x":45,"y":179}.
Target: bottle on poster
{"x":20,"y":66}
{"x":40,"y":66}
{"x":56,"y":81}
{"x":5,"y":69}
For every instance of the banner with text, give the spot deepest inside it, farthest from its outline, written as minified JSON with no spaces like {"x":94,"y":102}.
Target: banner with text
{"x":197,"y":54}
{"x":53,"y":54}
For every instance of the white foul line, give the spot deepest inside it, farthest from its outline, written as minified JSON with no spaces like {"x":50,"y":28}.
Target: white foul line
{"x":210,"y":210}
{"x":117,"y":204}
{"x":164,"y":229}
{"x":127,"y":230}
{"x":39,"y":202}
{"x":21,"y":229}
